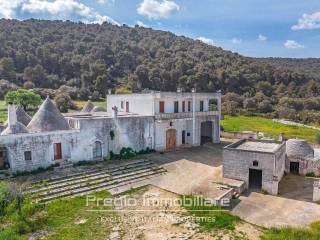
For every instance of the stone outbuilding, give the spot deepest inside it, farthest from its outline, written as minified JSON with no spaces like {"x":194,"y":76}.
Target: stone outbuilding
{"x":259,"y":163}
{"x":301,"y":158}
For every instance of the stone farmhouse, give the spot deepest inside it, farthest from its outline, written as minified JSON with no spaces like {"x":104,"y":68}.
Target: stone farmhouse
{"x":261,"y":164}
{"x":154,"y":120}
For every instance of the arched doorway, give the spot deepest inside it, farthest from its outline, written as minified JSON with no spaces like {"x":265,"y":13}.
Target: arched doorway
{"x":4,"y":162}
{"x":171,"y":139}
{"x":97,"y":150}
{"x":206,"y":132}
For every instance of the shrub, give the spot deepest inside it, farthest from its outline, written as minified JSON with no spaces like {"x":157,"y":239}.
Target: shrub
{"x":64,"y":102}
{"x":127,"y":153}
{"x":85,"y":163}
{"x":311,"y":174}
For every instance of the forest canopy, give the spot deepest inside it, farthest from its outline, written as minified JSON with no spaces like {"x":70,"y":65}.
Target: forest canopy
{"x":87,"y":59}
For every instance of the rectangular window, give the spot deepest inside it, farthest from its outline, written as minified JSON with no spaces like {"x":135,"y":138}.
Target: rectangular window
{"x":127,"y":106}
{"x":57,"y":151}
{"x":161,"y":106}
{"x":213,"y":105}
{"x":183,"y":106}
{"x":121,"y":104}
{"x":27,"y":156}
{"x":201,"y":106}
{"x":176,"y":106}
{"x":189,"y":106}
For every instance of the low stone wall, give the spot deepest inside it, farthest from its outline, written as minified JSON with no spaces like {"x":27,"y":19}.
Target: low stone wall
{"x":224,"y":199}
{"x":240,"y":135}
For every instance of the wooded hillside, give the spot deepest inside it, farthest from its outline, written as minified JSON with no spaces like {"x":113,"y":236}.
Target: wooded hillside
{"x":86,"y":60}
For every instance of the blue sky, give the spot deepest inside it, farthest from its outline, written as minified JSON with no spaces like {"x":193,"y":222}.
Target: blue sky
{"x":259,"y":28}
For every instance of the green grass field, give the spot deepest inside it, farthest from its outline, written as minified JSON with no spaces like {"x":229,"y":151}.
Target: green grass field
{"x":288,"y":233}
{"x":63,"y":219}
{"x":267,"y":126}
{"x":80,"y":104}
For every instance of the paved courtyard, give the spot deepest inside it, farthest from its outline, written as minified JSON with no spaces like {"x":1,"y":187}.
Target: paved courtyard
{"x":297,"y":187}
{"x":274,"y":211}
{"x":195,"y":170}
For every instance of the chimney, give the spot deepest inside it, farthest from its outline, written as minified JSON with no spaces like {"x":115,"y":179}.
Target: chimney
{"x":115,"y":112}
{"x":12,"y":115}
{"x":281,"y":137}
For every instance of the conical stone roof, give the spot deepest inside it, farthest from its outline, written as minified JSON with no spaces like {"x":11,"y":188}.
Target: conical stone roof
{"x":22,"y":116}
{"x":98,"y":109}
{"x":15,"y":129}
{"x":48,"y":118}
{"x":87,"y":107}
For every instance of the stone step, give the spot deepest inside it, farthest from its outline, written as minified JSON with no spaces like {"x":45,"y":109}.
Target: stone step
{"x":80,"y":174}
{"x":93,"y":182}
{"x":104,"y":186}
{"x":86,"y":178}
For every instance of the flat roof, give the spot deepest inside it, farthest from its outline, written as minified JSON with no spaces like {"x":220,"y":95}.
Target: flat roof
{"x":265,"y":146}
{"x":95,"y":115}
{"x":159,"y":94}
{"x":259,"y":146}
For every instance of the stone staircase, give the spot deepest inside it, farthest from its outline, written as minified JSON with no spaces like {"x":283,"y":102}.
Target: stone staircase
{"x":102,"y":178}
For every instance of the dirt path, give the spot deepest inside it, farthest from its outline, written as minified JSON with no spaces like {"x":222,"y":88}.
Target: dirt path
{"x":153,"y":222}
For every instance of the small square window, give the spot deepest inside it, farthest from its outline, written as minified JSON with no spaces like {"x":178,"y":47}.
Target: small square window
{"x":255,"y":163}
{"x":27,"y":156}
{"x":188,"y":134}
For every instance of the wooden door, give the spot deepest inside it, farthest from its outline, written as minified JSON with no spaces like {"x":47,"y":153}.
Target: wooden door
{"x":2,"y":159}
{"x":57,"y":151}
{"x":171,"y":139}
{"x":183,"y":137}
{"x":161,"y":106}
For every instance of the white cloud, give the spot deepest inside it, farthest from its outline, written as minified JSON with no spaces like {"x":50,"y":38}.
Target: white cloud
{"x":101,"y":1}
{"x":262,"y":38}
{"x":291,"y":44}
{"x":8,"y":8}
{"x":236,"y":40}
{"x":308,"y":21}
{"x":206,"y":40}
{"x":155,"y":9}
{"x":58,"y":9}
{"x":141,"y":24}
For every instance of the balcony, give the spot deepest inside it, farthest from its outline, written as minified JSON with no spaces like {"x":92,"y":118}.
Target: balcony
{"x":182,"y":115}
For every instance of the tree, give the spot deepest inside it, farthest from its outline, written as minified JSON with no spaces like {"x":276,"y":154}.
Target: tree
{"x":25,"y":98}
{"x":64,"y":103}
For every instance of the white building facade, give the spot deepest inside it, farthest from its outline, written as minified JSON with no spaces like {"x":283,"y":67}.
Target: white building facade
{"x":180,"y":119}
{"x":159,"y":120}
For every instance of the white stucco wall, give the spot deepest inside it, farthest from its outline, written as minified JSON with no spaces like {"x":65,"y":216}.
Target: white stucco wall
{"x":41,"y":146}
{"x":138,"y":103}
